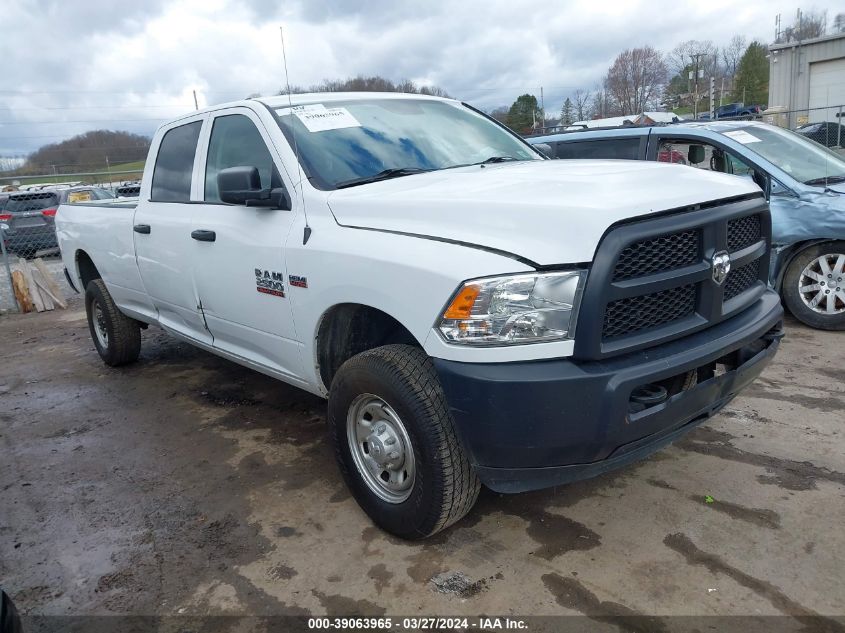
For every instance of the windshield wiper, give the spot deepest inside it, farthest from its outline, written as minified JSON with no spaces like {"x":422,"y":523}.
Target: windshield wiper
{"x":385,"y":174}
{"x":825,"y":180}
{"x":496,"y":159}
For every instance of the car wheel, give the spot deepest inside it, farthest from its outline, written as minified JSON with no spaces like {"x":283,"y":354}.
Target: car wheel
{"x":814,"y":286}
{"x":116,"y":336}
{"x":396,"y":445}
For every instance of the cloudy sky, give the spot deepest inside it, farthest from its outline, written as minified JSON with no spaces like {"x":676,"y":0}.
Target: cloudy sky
{"x":67,"y":66}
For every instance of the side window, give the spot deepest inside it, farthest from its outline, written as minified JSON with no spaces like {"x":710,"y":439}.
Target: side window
{"x":175,"y":164}
{"x":701,"y":156}
{"x":236,"y":142}
{"x":780,"y":190}
{"x":738,"y":167}
{"x":624,"y":148}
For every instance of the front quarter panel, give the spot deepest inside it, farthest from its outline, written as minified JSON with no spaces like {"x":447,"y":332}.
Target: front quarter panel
{"x":409,"y":278}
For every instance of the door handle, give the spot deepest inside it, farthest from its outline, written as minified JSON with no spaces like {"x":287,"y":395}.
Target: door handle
{"x":142,"y":228}
{"x":204,"y":236}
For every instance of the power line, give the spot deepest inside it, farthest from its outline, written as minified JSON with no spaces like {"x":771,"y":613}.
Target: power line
{"x":81,"y":121}
{"x":97,"y":107}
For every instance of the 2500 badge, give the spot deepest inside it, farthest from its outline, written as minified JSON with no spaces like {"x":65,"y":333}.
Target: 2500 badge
{"x":269,"y":282}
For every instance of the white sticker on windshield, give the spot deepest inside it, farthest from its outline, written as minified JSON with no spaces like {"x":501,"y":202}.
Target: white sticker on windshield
{"x":741,"y":136}
{"x":318,"y":118}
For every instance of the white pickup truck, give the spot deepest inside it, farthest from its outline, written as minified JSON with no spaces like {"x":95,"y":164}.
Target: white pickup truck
{"x":473,"y":312}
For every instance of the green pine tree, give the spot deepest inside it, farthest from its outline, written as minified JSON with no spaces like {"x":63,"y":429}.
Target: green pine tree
{"x":523,"y":114}
{"x":752,"y":76}
{"x":566,"y":117}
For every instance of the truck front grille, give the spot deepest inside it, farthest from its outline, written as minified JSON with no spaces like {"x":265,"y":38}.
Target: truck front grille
{"x":744,"y":231}
{"x":637,"y":313}
{"x":742,"y":279}
{"x":665,"y":252}
{"x":654,"y":280}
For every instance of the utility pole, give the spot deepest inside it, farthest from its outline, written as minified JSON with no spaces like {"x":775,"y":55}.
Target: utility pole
{"x":196,"y":104}
{"x":712,"y":97}
{"x":542,"y":107}
{"x":108,"y":171}
{"x":696,"y":76}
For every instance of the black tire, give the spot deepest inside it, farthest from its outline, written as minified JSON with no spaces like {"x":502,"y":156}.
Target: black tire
{"x":445,"y":487}
{"x":792,"y":295}
{"x":123,"y":340}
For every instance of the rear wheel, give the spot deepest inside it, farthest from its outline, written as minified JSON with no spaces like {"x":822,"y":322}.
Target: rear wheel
{"x":396,"y":444}
{"x":116,"y":336}
{"x":814,"y":286}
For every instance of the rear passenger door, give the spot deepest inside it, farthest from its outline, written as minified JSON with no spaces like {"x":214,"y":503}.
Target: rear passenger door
{"x":162,"y":226}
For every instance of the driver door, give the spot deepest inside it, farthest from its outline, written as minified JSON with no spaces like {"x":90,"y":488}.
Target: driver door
{"x":239,"y":265}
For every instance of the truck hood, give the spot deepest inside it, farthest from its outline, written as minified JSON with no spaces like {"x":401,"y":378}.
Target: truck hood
{"x":548,"y":212}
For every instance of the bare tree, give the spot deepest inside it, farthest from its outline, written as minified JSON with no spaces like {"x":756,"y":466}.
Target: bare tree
{"x":839,"y":23}
{"x":694,"y":55}
{"x":581,"y":102}
{"x":602,"y":104}
{"x":636,"y":79}
{"x":500,"y":114}
{"x":732,"y":53}
{"x":807,"y":25}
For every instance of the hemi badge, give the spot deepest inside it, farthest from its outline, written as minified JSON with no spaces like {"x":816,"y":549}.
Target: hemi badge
{"x":297,"y":281}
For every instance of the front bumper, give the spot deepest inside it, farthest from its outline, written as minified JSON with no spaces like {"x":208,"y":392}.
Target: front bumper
{"x":536,"y":424}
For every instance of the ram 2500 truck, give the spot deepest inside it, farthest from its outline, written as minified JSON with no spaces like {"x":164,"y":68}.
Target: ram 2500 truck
{"x":474,"y":313}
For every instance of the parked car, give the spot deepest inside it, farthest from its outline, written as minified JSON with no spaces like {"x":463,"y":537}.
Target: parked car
{"x":30,"y":216}
{"x":738,"y":110}
{"x":804,"y":182}
{"x":827,"y":134}
{"x":128,"y":190}
{"x":473,"y":312}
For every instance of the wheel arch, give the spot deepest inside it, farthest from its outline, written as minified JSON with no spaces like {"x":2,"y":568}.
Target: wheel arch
{"x":788,"y":255}
{"x":86,"y":270}
{"x":347,"y":329}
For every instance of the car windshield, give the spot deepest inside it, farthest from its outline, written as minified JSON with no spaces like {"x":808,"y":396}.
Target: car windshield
{"x":346,"y":143}
{"x":803,"y":159}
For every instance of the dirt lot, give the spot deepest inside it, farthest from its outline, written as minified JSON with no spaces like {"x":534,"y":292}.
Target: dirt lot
{"x":187,"y":484}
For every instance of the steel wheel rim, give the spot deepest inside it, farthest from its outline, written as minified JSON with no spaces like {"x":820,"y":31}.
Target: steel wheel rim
{"x":822,"y":284}
{"x":98,"y":316}
{"x":381,"y":448}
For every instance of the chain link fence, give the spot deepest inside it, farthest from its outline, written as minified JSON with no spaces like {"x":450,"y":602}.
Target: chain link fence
{"x":39,"y":250}
{"x":28,"y":206}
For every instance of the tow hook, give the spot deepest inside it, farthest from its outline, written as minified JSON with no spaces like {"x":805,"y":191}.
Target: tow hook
{"x":775,"y":334}
{"x":646,"y":396}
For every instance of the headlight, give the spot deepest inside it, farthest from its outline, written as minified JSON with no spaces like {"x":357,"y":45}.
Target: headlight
{"x":529,"y":308}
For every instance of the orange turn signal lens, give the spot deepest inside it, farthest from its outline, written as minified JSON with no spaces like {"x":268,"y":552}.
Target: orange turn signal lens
{"x":461,"y":306}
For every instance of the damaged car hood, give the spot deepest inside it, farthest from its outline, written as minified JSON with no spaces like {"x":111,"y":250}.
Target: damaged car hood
{"x":549,"y":212}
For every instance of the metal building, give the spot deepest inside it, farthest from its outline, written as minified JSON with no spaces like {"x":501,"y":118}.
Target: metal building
{"x":808,"y":78}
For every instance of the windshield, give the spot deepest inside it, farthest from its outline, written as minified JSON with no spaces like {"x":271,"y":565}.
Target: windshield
{"x":345,"y":143}
{"x":803,"y":159}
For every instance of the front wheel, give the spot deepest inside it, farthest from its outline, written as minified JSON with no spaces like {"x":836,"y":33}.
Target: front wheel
{"x":116,"y":336}
{"x":814,"y":286}
{"x":396,"y":444}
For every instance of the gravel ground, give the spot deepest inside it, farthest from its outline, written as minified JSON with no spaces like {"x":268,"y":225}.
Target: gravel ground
{"x":185,"y":484}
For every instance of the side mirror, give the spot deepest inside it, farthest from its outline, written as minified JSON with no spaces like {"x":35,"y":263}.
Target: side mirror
{"x":545,"y":149}
{"x":242,"y":185}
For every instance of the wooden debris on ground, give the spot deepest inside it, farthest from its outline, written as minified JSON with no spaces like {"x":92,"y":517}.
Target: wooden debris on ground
{"x":35,"y":288}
